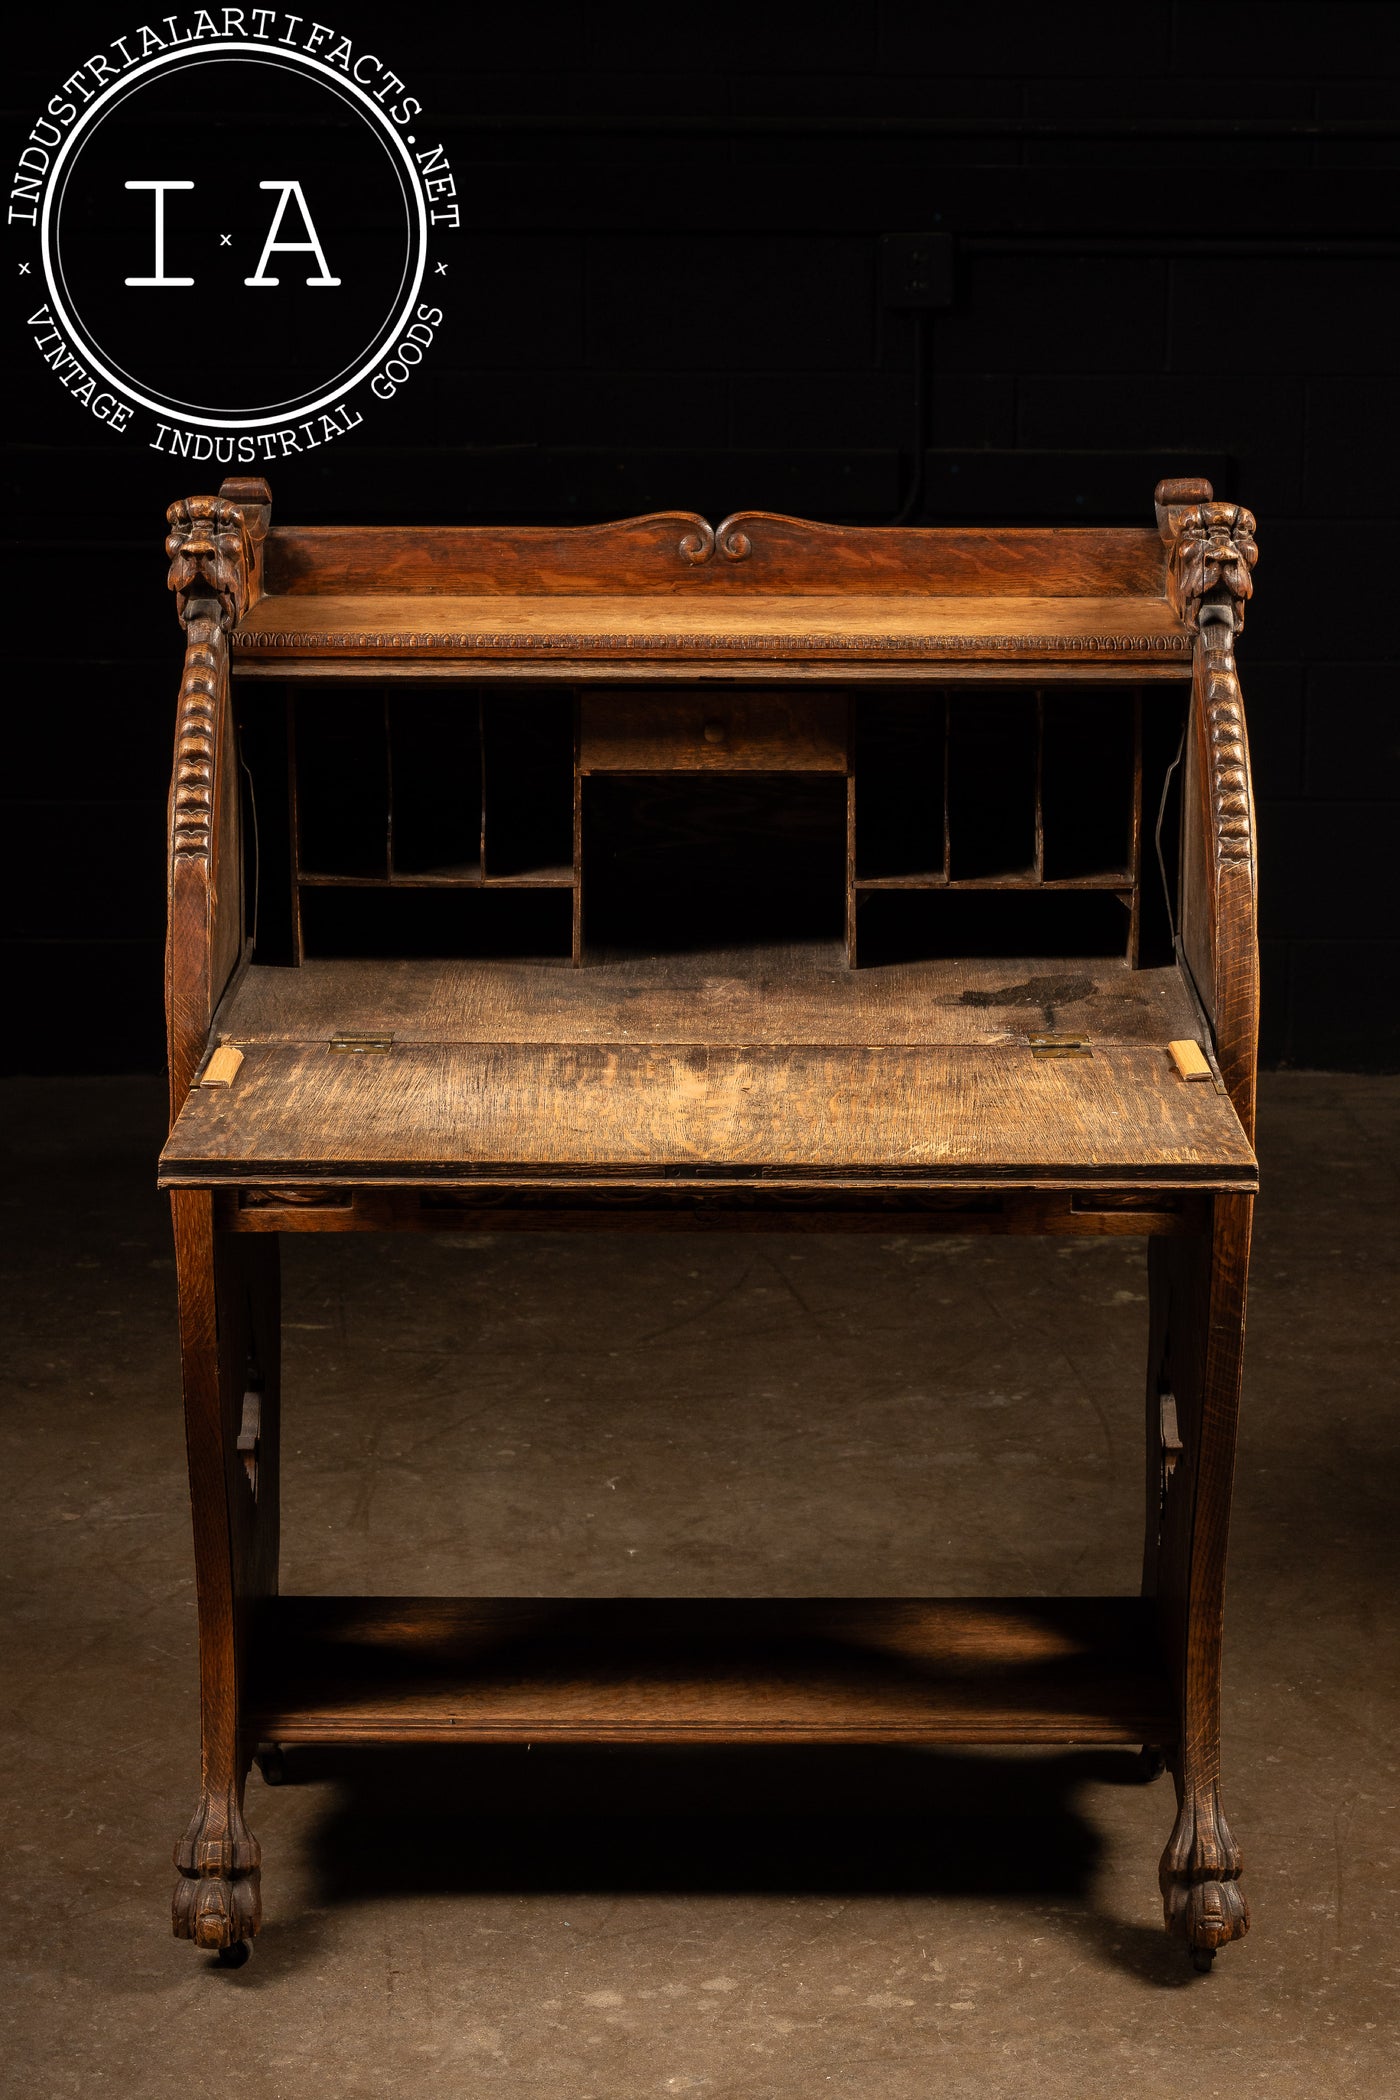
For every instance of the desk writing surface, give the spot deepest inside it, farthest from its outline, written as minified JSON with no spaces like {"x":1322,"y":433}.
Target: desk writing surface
{"x":650,"y":1069}
{"x":797,"y":992}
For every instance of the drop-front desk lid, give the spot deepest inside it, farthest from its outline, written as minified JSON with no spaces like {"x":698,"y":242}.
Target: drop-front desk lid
{"x":778,"y":1066}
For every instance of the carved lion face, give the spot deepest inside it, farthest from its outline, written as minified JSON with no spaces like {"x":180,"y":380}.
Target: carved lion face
{"x":207,"y":546}
{"x":1216,"y":544}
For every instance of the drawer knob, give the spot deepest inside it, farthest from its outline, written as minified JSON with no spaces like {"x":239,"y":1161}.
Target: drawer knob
{"x":714,"y":730}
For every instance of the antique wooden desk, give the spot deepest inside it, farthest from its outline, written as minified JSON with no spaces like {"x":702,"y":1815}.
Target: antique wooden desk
{"x":769,"y":877}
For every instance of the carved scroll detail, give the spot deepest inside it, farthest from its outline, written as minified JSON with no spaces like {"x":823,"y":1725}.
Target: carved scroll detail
{"x":192,"y":809}
{"x":698,"y":546}
{"x":733,"y":543}
{"x":211,"y":551}
{"x":218,"y":1898}
{"x":1229,"y":767}
{"x":1210,"y":550}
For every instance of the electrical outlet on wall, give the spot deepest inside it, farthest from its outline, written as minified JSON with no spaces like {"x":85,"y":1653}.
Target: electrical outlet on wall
{"x":916,"y":270}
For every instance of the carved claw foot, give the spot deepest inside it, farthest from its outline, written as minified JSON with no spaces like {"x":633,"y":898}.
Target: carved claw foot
{"x":1201,"y":1894}
{"x":218,"y":1900}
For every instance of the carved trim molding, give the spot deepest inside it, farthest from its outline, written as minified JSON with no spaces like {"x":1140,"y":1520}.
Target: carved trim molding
{"x":211,"y":549}
{"x":197,"y":719}
{"x":1229,"y":765}
{"x":1210,"y":550}
{"x":520,"y":643}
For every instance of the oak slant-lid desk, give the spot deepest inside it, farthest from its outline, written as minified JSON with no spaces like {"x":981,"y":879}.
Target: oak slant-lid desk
{"x":780,"y":876}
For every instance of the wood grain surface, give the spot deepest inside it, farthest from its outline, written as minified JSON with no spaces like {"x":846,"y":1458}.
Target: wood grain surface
{"x":798,"y":993}
{"x":759,"y":625}
{"x":639,"y":732}
{"x":963,"y":1111}
{"x":666,"y":553}
{"x":1062,"y":1670}
{"x":903,"y":1206}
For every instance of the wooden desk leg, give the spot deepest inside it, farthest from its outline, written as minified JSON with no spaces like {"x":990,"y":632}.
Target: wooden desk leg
{"x":229,"y":1354}
{"x":1198,"y":1300}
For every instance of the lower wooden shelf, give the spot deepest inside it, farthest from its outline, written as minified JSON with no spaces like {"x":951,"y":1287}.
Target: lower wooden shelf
{"x":998,"y":1670}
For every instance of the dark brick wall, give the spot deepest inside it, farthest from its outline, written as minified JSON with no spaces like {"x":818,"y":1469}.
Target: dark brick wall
{"x":1175,"y":229}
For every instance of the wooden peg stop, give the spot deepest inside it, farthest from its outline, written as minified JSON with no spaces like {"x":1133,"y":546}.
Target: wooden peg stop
{"x":1189,"y":1060}
{"x":223,"y":1067}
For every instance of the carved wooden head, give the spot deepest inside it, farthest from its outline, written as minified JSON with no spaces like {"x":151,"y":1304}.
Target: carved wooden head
{"x":1212,"y":544}
{"x":209,"y":554}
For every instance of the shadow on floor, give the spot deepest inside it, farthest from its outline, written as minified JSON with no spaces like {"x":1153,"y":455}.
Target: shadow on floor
{"x":772,"y":1821}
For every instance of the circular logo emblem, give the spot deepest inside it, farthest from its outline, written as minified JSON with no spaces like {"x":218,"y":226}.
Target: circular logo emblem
{"x":234,"y":234}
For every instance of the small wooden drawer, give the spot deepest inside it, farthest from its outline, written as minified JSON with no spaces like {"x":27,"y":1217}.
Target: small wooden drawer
{"x":712,"y":732}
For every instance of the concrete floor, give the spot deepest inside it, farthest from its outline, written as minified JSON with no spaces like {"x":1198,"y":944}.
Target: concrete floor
{"x":699,"y":1415}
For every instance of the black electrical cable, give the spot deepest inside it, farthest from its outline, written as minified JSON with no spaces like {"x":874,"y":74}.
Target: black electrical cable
{"x":1157,"y":834}
{"x":257,"y":850}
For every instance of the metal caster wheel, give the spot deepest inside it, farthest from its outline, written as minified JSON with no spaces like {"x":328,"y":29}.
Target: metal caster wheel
{"x":1151,"y":1764}
{"x":1203,"y":1960}
{"x":233,"y":1957}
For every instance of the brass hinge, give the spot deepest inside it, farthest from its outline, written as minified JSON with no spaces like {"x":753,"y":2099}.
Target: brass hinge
{"x":1059,"y":1046}
{"x":360,"y":1042}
